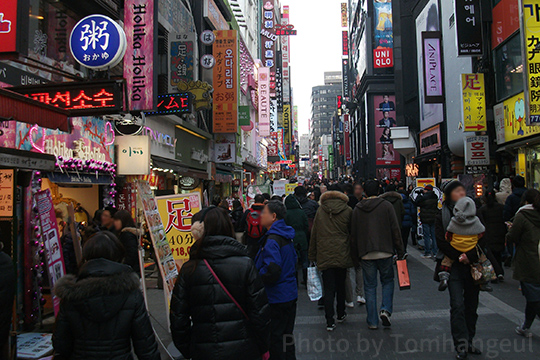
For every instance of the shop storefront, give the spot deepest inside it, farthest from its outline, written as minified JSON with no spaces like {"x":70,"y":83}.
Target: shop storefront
{"x":428,"y":161}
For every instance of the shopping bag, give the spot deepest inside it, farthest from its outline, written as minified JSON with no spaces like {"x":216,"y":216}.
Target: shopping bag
{"x":403,"y":275}
{"x":314,"y":284}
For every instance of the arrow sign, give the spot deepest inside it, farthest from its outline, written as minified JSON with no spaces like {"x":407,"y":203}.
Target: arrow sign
{"x":476,"y":127}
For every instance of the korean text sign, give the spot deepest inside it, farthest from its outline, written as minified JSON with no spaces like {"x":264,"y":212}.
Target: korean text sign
{"x":531,"y":25}
{"x":176,"y":212}
{"x":225,"y":81}
{"x":474,"y":102}
{"x":8,"y":25}
{"x":469,"y":27}
{"x":269,"y":39}
{"x":133,"y":155}
{"x":476,"y":150}
{"x":139,"y":60}
{"x":51,"y":239}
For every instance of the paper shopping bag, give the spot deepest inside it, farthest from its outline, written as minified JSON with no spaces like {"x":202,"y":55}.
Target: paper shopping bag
{"x":403,"y":275}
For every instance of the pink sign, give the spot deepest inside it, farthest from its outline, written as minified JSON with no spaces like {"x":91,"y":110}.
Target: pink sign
{"x":51,"y":239}
{"x":264,"y":101}
{"x":139,"y":59}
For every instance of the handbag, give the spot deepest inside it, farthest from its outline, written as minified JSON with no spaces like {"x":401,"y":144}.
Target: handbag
{"x":266,"y":355}
{"x":314,"y":283}
{"x":482,"y":271}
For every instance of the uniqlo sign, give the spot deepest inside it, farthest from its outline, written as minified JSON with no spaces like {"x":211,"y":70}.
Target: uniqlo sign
{"x":476,"y":150}
{"x":8,"y":26}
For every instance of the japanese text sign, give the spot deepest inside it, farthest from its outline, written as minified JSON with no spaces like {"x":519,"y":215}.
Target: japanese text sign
{"x":139,"y":23}
{"x":531,"y":25}
{"x":264,"y":101}
{"x":97,"y":42}
{"x":51,"y":239}
{"x":476,"y":150}
{"x":8,"y":25}
{"x":133,"y":155}
{"x":469,"y":27}
{"x":7,"y":179}
{"x":173,"y":104}
{"x":225,"y":81}
{"x":474,"y":102}
{"x":513,"y":125}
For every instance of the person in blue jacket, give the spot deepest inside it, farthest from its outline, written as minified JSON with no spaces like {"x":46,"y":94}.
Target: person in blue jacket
{"x":409,"y":218}
{"x":276,"y":262}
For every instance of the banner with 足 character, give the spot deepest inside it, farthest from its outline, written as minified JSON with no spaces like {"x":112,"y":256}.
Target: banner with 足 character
{"x":176,"y":212}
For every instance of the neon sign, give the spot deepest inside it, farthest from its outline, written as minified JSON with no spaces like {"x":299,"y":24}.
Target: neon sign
{"x":285,"y":30}
{"x":173,"y":103}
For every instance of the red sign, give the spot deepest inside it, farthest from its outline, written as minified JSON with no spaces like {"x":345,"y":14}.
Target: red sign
{"x":505,"y":21}
{"x":346,"y":135}
{"x":8,"y":26}
{"x":285,"y":30}
{"x":173,"y":103}
{"x":383,"y":58}
{"x":345,"y":43}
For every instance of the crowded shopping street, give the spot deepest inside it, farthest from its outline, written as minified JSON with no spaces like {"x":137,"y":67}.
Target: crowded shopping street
{"x":269,"y":179}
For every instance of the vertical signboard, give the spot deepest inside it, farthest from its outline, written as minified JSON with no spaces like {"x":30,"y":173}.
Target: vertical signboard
{"x":384,"y":113}
{"x":7,"y":180}
{"x":433,"y":74}
{"x":383,"y":34}
{"x":476,"y":150}
{"x":345,"y":43}
{"x":264,"y":101}
{"x":287,"y":129}
{"x":321,"y":164}
{"x":181,"y":59}
{"x":531,"y":31}
{"x":140,"y":29}
{"x":469,"y":27}
{"x":345,"y":76}
{"x":343,"y":15}
{"x":225,"y":81}
{"x":285,"y":43}
{"x":346,"y":138}
{"x":268,"y":40}
{"x":474,"y":102}
{"x":273,"y":115}
{"x":8,"y":25}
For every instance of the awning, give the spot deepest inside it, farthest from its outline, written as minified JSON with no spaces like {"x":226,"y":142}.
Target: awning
{"x":14,"y":106}
{"x":22,"y":159}
{"x":178,"y":167}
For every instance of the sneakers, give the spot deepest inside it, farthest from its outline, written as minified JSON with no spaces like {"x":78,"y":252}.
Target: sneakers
{"x":361,"y":300}
{"x":385,"y":318}
{"x":349,"y":304}
{"x":372,"y":327}
{"x":342,"y":318}
{"x":330,"y":328}
{"x":500,"y":278}
{"x":443,"y":280}
{"x":523,"y":332}
{"x":426,"y":256}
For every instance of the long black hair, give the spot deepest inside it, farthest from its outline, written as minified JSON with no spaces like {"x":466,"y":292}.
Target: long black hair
{"x":125,"y":218}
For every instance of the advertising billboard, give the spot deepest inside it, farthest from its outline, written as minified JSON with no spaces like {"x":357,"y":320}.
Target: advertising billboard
{"x":384,"y":115}
{"x":383,"y":34}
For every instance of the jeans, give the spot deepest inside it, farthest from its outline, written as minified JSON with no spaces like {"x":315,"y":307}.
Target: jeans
{"x":405,"y":231}
{"x":355,"y":284}
{"x":281,"y":329}
{"x":334,"y":287}
{"x":430,"y":242}
{"x":385,"y":267}
{"x":463,"y":305}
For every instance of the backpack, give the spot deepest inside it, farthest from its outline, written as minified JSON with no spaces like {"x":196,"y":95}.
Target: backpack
{"x":254,"y":227}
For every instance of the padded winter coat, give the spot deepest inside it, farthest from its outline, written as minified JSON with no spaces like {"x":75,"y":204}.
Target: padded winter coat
{"x":205,"y":322}
{"x":429,"y":207}
{"x":297,"y":219}
{"x":524,"y":233}
{"x":492,"y":218}
{"x":397,"y":202}
{"x":102,"y":313}
{"x":129,"y":237}
{"x":409,"y":219}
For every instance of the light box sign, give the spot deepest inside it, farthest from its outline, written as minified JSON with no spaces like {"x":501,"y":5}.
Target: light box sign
{"x":383,"y":34}
{"x":474,"y":102}
{"x":264,"y":101}
{"x":384,"y":115}
{"x":285,"y":59}
{"x":531,"y":26}
{"x":433,"y":74}
{"x":268,"y":40}
{"x":173,"y":104}
{"x":476,"y":150}
{"x":139,"y":23}
{"x":345,"y":76}
{"x":343,"y":15}
{"x":225,"y":82}
{"x":79,"y":98}
{"x":97,"y":42}
{"x":133,"y":155}
{"x":181,"y":58}
{"x":345,"y":43}
{"x":8,"y":25}
{"x":469,"y":27}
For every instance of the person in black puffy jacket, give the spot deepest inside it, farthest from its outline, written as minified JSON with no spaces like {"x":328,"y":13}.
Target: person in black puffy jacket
{"x":205,"y":322}
{"x":129,"y":236}
{"x":102,"y":311}
{"x":409,"y":217}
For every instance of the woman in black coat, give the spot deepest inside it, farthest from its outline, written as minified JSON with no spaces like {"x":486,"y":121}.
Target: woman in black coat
{"x":205,"y":321}
{"x":128,"y":235}
{"x":102,"y":311}
{"x":491,"y":215}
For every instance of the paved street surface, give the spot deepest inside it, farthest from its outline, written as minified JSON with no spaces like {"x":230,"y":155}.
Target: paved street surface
{"x":420,"y":324}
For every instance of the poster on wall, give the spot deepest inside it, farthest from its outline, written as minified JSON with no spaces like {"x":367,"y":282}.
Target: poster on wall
{"x":383,"y":34}
{"x":427,"y":21}
{"x":225,"y":82}
{"x":384,"y":116}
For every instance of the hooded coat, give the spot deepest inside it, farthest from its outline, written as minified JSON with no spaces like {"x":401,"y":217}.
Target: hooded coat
{"x":276,"y":262}
{"x":505,"y":189}
{"x":375,"y":228}
{"x":205,"y":322}
{"x":297,"y":219}
{"x":397,"y":202}
{"x":102,"y":313}
{"x":129,"y":237}
{"x":524,"y":233}
{"x":330,"y":244}
{"x":513,"y":201}
{"x":429,"y":207}
{"x":309,"y":206}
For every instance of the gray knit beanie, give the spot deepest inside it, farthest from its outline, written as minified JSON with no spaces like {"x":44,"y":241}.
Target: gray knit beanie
{"x":465,"y":221}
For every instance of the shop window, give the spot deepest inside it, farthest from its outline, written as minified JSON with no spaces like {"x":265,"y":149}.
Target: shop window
{"x":509,"y":68}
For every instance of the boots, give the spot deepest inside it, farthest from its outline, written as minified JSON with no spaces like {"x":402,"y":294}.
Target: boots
{"x":443,"y":280}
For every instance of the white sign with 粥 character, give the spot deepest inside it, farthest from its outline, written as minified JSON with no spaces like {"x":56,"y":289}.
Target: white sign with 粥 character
{"x":133,"y":155}
{"x":476,"y":150}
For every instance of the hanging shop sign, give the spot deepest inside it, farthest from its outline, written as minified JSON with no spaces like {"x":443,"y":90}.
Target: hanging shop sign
{"x":7,"y":181}
{"x":476,"y":150}
{"x":279,"y":82}
{"x":474,"y":102}
{"x":268,"y":40}
{"x":345,"y":43}
{"x":433,"y":74}
{"x":129,"y":124}
{"x":51,"y":241}
{"x":430,"y":140}
{"x":225,"y":148}
{"x":531,"y":27}
{"x":79,"y":98}
{"x":97,"y":42}
{"x":201,"y":93}
{"x":280,"y":143}
{"x":346,"y":138}
{"x":208,"y":37}
{"x":244,"y":118}
{"x":285,"y":29}
{"x":343,"y":15}
{"x":345,"y":76}
{"x":498,"y":118}
{"x":513,"y":125}
{"x":247,"y":68}
{"x":273,"y":115}
{"x":181,"y":58}
{"x":140,"y":18}
{"x":173,"y":104}
{"x":264,"y":101}
{"x":469,"y":27}
{"x":213,"y":16}
{"x":411,"y":170}
{"x":383,"y":34}
{"x":225,"y":82}
{"x":208,"y":61}
{"x":274,"y":167}
{"x":285,"y":58}
{"x":505,"y":21}
{"x":133,"y":155}
{"x":273,"y":147}
{"x":287,"y":128}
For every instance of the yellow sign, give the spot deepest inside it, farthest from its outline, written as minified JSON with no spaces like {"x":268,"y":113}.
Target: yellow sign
{"x":531,"y":24}
{"x":344,"y":15}
{"x":425,"y":181}
{"x":514,"y":119}
{"x":176,"y":212}
{"x":289,"y":188}
{"x":474,"y":102}
{"x":7,"y":179}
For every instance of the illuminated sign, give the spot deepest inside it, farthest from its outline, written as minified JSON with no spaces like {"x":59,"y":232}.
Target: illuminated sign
{"x":345,"y":43}
{"x":80,"y":98}
{"x":264,"y":101}
{"x":284,"y":162}
{"x":433,"y":74}
{"x":531,"y":25}
{"x":268,"y":40}
{"x":172,"y":103}
{"x":97,"y":42}
{"x":383,"y":34}
{"x":339,"y":104}
{"x":8,"y":25}
{"x":285,"y":30}
{"x":474,"y":102}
